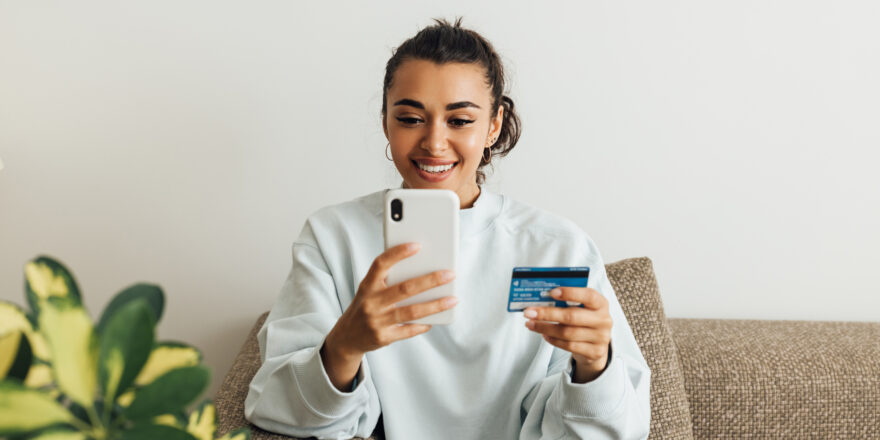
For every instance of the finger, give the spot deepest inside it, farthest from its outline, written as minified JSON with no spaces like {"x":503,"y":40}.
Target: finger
{"x":590,"y":298}
{"x":378,"y":271}
{"x":570,"y":315}
{"x":570,"y":346}
{"x":568,"y":332}
{"x":412,"y":286}
{"x":407,"y":331}
{"x":592,"y":352}
{"x":400,"y":315}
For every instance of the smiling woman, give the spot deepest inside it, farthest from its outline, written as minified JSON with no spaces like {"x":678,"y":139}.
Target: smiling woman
{"x":441,"y":122}
{"x":335,"y":355}
{"x":447,"y":108}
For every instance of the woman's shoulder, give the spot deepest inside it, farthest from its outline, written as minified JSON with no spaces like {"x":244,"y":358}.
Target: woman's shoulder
{"x":364,"y":208}
{"x":522,"y":217}
{"x":524,"y":221}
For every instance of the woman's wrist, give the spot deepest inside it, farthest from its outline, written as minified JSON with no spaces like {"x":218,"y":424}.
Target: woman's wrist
{"x":339,"y":350}
{"x":342,"y":365}
{"x":586,"y":371}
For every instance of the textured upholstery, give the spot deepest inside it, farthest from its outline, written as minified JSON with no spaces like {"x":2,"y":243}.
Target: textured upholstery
{"x":636,"y":288}
{"x":781,"y":379}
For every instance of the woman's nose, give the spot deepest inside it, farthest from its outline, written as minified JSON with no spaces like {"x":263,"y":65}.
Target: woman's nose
{"x":435,"y":138}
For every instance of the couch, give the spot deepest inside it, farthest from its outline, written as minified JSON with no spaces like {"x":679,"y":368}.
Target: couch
{"x":711,"y":378}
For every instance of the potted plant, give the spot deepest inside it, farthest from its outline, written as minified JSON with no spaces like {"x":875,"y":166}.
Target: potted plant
{"x":63,"y":377}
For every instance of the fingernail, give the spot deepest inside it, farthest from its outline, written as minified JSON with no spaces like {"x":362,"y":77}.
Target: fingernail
{"x":413,"y":247}
{"x":530,"y":324}
{"x":529,"y":313}
{"x":451,"y":301}
{"x":555,"y":292}
{"x":447,"y":275}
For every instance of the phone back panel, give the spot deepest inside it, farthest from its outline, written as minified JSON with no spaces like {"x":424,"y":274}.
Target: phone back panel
{"x":429,"y":217}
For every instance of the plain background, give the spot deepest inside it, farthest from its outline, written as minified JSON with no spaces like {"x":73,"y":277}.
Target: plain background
{"x":184,"y":143}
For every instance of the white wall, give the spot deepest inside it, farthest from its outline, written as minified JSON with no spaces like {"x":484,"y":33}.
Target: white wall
{"x":184,"y":143}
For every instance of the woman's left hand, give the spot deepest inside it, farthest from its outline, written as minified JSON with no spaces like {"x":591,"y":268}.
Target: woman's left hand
{"x":585,"y":332}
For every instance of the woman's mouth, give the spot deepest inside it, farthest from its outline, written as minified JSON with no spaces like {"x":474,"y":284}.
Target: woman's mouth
{"x":434,"y":173}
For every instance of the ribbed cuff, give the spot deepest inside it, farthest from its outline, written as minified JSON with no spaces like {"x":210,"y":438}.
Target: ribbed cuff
{"x":597,"y":398}
{"x":316,"y":389}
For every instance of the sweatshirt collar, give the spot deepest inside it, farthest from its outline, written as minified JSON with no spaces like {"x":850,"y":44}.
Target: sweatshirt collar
{"x":472,"y":221}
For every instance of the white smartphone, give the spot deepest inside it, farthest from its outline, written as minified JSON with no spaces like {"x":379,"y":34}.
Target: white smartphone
{"x":430,"y":218}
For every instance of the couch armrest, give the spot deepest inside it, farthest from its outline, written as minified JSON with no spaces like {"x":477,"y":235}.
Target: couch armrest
{"x":780,"y":379}
{"x":229,"y":400}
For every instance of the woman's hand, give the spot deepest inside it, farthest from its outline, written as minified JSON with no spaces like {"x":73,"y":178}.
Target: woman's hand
{"x":585,"y":332}
{"x":373,"y":320}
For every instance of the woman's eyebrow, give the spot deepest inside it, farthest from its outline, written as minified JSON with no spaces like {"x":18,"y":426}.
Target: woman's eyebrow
{"x":419,"y":105}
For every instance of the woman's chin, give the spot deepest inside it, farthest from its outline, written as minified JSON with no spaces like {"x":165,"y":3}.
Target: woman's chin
{"x":421,"y":184}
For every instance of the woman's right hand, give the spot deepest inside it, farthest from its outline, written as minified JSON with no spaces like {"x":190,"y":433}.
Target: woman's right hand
{"x":373,"y":320}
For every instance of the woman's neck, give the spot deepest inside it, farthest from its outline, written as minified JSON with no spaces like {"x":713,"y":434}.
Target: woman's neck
{"x":470,"y":203}
{"x":467,"y":200}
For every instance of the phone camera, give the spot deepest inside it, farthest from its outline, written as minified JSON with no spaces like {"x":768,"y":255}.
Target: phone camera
{"x":396,"y":210}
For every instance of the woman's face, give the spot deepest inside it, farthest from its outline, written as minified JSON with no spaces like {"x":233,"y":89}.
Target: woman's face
{"x":438,"y":115}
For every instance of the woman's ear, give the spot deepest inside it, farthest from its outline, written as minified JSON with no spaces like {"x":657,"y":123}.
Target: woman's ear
{"x":385,"y":127}
{"x":497,"y":121}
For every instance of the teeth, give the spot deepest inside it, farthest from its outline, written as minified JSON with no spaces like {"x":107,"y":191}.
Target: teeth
{"x":435,"y":169}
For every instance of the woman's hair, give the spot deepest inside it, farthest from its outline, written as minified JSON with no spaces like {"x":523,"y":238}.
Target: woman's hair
{"x":450,"y":43}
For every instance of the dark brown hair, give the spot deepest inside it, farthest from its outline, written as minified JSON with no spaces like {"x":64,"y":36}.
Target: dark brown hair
{"x":450,"y":43}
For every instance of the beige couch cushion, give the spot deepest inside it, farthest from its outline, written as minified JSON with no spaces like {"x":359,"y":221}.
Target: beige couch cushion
{"x":636,"y":288}
{"x":781,"y":379}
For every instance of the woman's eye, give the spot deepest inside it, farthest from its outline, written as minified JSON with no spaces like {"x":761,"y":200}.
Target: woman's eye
{"x":460,"y":122}
{"x":457,"y":122}
{"x":409,"y":121}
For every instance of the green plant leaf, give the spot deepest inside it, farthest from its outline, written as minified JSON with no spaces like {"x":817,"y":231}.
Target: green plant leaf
{"x":126,"y":342}
{"x":15,"y":356}
{"x":165,"y":357}
{"x":169,"y":393}
{"x":74,"y":345}
{"x":155,"y":432}
{"x":202,"y":421}
{"x":81,"y":413}
{"x":23,"y":409}
{"x":150,"y":293}
{"x":238,"y":434}
{"x":59,"y":434}
{"x":13,"y":318}
{"x":40,"y":375}
{"x":45,"y":277}
{"x":176,"y":420}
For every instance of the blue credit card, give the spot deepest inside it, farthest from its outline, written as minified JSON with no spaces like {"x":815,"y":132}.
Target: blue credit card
{"x":530,"y":286}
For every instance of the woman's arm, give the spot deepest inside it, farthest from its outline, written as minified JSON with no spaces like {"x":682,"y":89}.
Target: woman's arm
{"x":342,"y":368}
{"x":292,"y":393}
{"x":373,"y":319}
{"x":614,"y":404}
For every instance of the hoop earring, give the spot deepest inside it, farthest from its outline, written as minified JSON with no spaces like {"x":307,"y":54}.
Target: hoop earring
{"x":487,"y":150}
{"x":386,"y":152}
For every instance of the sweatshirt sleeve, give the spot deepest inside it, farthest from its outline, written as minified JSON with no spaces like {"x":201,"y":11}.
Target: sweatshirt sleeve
{"x":291,"y":393}
{"x":615,"y":405}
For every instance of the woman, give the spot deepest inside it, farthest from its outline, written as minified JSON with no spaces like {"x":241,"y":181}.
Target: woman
{"x":335,"y":355}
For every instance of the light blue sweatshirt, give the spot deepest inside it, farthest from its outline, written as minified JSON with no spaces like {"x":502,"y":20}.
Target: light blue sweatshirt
{"x":486,"y":376}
